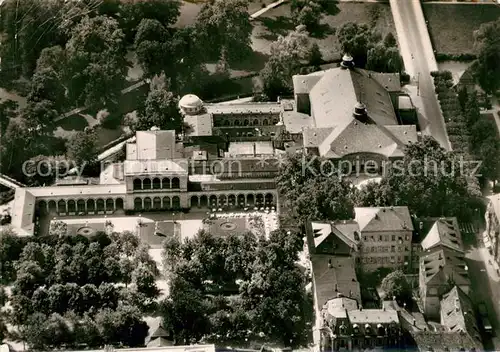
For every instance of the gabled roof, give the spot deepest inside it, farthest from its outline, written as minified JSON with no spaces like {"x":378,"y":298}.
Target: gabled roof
{"x":445,"y":232}
{"x":342,"y":231}
{"x":373,"y":316}
{"x":383,"y":219}
{"x":457,"y":313}
{"x":334,"y":280}
{"x":444,"y":341}
{"x":160,"y":332}
{"x":444,"y":265}
{"x":302,"y":84}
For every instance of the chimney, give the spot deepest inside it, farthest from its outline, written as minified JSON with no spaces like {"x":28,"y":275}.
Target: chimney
{"x":421,"y":225}
{"x":329,"y":263}
{"x":457,"y":304}
{"x":347,"y":62}
{"x":360,"y":308}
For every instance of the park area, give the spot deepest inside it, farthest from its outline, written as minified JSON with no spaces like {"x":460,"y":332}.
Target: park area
{"x":452,"y":27}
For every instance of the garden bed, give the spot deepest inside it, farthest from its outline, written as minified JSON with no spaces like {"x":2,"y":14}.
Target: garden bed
{"x":451,"y":26}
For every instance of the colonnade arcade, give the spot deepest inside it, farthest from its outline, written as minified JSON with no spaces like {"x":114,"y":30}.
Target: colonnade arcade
{"x":156,"y":183}
{"x":156,"y":203}
{"x":79,"y":206}
{"x":233,"y":200}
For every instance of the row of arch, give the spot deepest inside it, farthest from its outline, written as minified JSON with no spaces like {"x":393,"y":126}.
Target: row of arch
{"x":156,"y":203}
{"x":232,"y":200}
{"x":156,"y":183}
{"x":247,"y":122}
{"x":81,"y":205}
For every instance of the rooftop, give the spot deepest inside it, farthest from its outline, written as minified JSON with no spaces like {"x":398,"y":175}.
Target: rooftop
{"x":152,"y":145}
{"x":445,"y":232}
{"x":337,"y":279}
{"x":374,"y":219}
{"x":443,"y":265}
{"x":151,"y":167}
{"x":338,"y":307}
{"x":244,"y":108}
{"x":457,"y":313}
{"x":444,"y":341}
{"x":367,"y":316}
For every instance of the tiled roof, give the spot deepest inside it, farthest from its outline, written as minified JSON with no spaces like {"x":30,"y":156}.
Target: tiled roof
{"x":445,"y":232}
{"x":302,"y":84}
{"x":337,"y":307}
{"x":251,"y":148}
{"x":201,"y":125}
{"x":339,"y":279}
{"x":442,"y":265}
{"x":383,"y":219}
{"x":344,"y":232}
{"x":373,"y":316}
{"x":348,"y":231}
{"x":295,"y":121}
{"x":444,"y":341}
{"x":334,"y":96}
{"x":457,"y":313}
{"x":390,"y":81}
{"x":313,"y":136}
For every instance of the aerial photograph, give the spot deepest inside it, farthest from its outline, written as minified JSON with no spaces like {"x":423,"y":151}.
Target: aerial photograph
{"x":249,"y":175}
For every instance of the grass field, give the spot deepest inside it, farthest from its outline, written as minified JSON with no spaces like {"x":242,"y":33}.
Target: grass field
{"x":451,"y":27}
{"x":278,"y":22}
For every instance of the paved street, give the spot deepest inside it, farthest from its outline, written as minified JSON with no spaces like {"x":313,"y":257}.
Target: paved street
{"x":485,"y":287}
{"x":416,"y":50}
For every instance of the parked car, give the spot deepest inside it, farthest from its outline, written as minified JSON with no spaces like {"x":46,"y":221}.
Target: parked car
{"x":483,"y":314}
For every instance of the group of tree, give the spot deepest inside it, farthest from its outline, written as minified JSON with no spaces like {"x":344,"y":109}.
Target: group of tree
{"x":236,"y":289}
{"x":396,"y":285}
{"x":429,"y":180}
{"x":470,"y":134}
{"x":487,"y":48}
{"x":73,"y":290}
{"x":289,"y":55}
{"x":369,"y":49}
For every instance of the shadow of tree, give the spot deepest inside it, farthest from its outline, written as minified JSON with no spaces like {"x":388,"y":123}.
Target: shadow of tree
{"x":252,"y":63}
{"x":278,"y":26}
{"x":322,"y":31}
{"x":331,"y":8}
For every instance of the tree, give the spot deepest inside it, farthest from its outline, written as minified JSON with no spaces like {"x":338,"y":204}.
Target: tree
{"x":396,"y":285}
{"x":487,"y":47}
{"x":431,"y":182}
{"x":132,"y":13}
{"x":160,"y":110}
{"x":152,"y":48}
{"x":8,"y":109}
{"x":384,"y":59}
{"x":307,"y":13}
{"x":225,"y":25}
{"x":287,"y":55}
{"x":40,"y":116}
{"x":96,"y":61}
{"x":315,"y":56}
{"x":145,"y":281}
{"x":82,"y":148}
{"x":390,"y":40}
{"x":46,"y":85}
{"x":356,"y":39}
{"x":58,"y":228}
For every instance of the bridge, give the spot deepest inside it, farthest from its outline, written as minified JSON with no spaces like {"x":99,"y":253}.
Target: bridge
{"x":10,"y":182}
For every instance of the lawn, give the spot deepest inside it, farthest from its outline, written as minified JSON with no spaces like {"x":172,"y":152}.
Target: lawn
{"x":451,"y":27}
{"x":278,"y":22}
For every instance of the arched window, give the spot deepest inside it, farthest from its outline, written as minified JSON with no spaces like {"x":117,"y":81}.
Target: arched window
{"x":236,"y":122}
{"x":246,"y":122}
{"x":175,"y":183}
{"x":256,"y":122}
{"x":265,"y":122}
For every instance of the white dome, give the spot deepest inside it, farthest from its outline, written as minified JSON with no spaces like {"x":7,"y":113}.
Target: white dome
{"x":190,"y":101}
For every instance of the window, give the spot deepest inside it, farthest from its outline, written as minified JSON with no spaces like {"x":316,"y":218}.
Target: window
{"x":407,"y":238}
{"x":364,"y":238}
{"x":393,"y":237}
{"x":380,"y":238}
{"x":393,"y":248}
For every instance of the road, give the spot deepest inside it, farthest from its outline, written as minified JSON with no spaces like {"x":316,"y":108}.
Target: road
{"x":485,"y":284}
{"x":418,"y":56}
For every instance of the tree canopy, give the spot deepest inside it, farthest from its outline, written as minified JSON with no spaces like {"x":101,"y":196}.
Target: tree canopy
{"x":487,"y":46}
{"x":396,"y":285}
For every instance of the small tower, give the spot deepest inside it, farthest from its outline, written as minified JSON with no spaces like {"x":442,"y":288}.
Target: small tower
{"x":360,"y":112}
{"x":347,"y":62}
